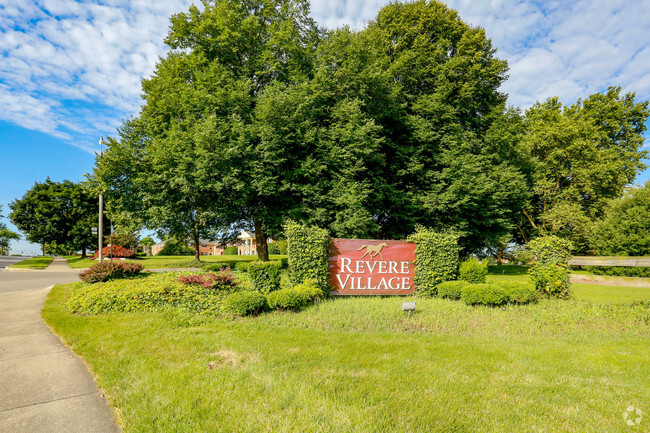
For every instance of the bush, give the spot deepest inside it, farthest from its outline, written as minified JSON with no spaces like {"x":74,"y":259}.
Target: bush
{"x":288,"y":299}
{"x":451,"y":289}
{"x":437,"y":257}
{"x":310,"y":289}
{"x":308,"y":249}
{"x":223,"y":280}
{"x":110,"y":270}
{"x":218,"y":266}
{"x":118,"y":252}
{"x":484,"y":294}
{"x":549,"y":272}
{"x":242,"y":266}
{"x":244,"y":303}
{"x":265,"y":276}
{"x":520,"y":293}
{"x":155,"y":292}
{"x":620,"y":271}
{"x":175,"y":247}
{"x":473,"y":271}
{"x":230,"y":251}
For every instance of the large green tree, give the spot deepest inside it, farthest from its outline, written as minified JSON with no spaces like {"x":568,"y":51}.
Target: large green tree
{"x":57,"y":213}
{"x":625,"y":229}
{"x":583,"y":156}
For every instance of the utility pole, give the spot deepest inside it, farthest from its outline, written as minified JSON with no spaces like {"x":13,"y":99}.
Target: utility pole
{"x":100,"y":232}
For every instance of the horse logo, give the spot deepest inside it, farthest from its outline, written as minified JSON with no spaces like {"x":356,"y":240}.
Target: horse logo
{"x":373,"y":250}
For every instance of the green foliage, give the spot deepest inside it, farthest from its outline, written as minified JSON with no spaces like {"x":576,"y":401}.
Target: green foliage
{"x":244,"y":303}
{"x":520,"y":293}
{"x":6,"y":236}
{"x":230,"y":251}
{"x":176,"y":247}
{"x":222,"y":265}
{"x":484,"y":294}
{"x":451,"y":289}
{"x":155,"y":292}
{"x":436,"y":257}
{"x":58,"y":213}
{"x":473,"y":271}
{"x":265,"y":276}
{"x":242,"y":266}
{"x":289,"y":299}
{"x":310,"y":289}
{"x":625,"y":230}
{"x":585,"y":154}
{"x":549,"y":272}
{"x":308,"y":249}
{"x":110,"y":270}
{"x":620,"y":271}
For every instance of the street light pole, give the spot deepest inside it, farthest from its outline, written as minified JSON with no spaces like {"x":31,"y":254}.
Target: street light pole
{"x":101,"y":208}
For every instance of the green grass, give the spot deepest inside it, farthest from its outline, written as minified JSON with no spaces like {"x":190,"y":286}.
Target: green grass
{"x":162,"y":262}
{"x":77,"y":262}
{"x":39,"y":262}
{"x":360,"y":365}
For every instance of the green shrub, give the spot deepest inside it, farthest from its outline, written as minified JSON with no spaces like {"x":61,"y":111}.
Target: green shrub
{"x":242,"y":266}
{"x":288,"y":299}
{"x":174,"y":247}
{"x":473,"y":271}
{"x":218,"y":266}
{"x":485,"y":294}
{"x":520,"y":293}
{"x":308,"y":249}
{"x":310,"y":289}
{"x":620,"y":271}
{"x":155,"y":292}
{"x":285,"y":262}
{"x":451,"y":289}
{"x":436,"y":257}
{"x":549,"y":272}
{"x":244,"y":303}
{"x":109,"y":270}
{"x":230,"y":251}
{"x":265,"y":276}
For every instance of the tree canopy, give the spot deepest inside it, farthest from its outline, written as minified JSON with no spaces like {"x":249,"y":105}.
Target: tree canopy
{"x":6,"y":236}
{"x":60,"y":214}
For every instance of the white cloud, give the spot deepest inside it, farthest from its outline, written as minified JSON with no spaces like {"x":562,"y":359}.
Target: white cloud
{"x":74,"y":67}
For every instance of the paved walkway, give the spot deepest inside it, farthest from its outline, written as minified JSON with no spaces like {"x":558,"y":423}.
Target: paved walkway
{"x":44,"y":387}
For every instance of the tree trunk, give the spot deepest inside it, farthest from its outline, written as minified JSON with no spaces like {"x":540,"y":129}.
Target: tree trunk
{"x":499,"y":256}
{"x":83,"y":251}
{"x":195,"y":235}
{"x":261,"y":242}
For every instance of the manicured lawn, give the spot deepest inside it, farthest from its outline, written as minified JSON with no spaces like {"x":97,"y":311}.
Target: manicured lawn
{"x":76,"y":262}
{"x":39,"y":262}
{"x":360,"y":365}
{"x":161,"y":262}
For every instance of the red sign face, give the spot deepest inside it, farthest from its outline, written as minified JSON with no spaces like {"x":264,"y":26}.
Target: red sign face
{"x":371,"y":267}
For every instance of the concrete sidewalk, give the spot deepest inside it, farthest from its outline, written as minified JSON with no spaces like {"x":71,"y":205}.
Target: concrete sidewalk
{"x":58,"y":264}
{"x":44,"y":386}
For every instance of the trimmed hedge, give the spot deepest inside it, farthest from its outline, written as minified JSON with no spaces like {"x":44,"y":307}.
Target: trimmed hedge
{"x":218,"y":266}
{"x":242,"y":266}
{"x":110,"y":270}
{"x":451,"y":289}
{"x":473,"y":271}
{"x":230,"y":251}
{"x":310,"y":289}
{"x":549,"y":272}
{"x":244,"y":303}
{"x":265,"y":276}
{"x":436,"y":257}
{"x":484,"y":294}
{"x":288,"y":299}
{"x":496,"y":295}
{"x":620,"y":271}
{"x":308,"y":254}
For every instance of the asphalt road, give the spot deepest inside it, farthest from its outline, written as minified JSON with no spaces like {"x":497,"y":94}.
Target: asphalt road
{"x":21,"y":281}
{"x":10,"y":260}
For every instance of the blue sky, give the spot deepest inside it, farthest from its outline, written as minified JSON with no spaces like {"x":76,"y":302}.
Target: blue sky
{"x":70,"y":70}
